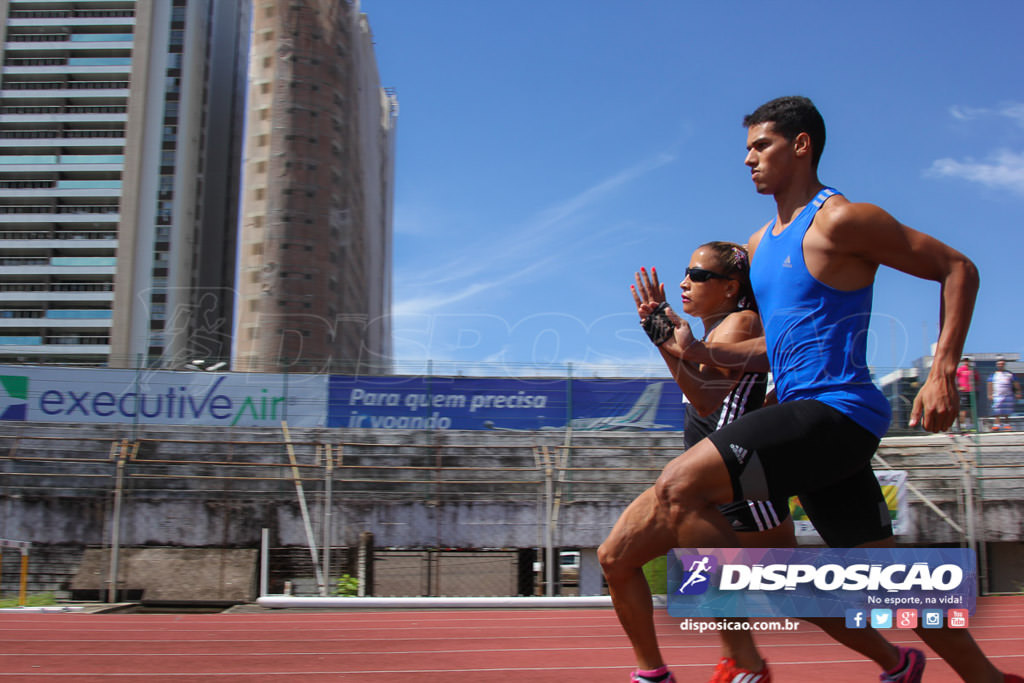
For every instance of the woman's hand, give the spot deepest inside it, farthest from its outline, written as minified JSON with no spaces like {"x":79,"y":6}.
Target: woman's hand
{"x":647,"y":288}
{"x":649,"y":293}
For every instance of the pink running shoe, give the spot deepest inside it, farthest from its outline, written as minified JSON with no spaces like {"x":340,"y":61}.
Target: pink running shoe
{"x":652,"y":675}
{"x":911,"y":664}
{"x":728,"y":672}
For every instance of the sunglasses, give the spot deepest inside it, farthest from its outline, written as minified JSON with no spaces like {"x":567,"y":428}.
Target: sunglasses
{"x":701,"y":275}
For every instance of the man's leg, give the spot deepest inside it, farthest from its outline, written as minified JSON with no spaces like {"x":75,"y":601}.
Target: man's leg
{"x":866,"y":641}
{"x":958,"y":649}
{"x":689,"y":491}
{"x":739,"y":645}
{"x":831,"y":510}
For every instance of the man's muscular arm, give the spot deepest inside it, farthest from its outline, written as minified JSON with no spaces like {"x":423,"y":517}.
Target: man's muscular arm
{"x":868,"y":232}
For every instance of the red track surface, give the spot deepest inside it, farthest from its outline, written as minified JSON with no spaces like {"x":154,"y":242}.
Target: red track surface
{"x":453,"y":645}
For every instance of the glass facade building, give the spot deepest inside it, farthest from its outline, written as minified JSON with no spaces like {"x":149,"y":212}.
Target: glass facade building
{"x":106,"y":213}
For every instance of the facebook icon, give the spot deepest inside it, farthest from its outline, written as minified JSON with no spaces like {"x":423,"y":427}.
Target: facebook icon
{"x":856,"y":618}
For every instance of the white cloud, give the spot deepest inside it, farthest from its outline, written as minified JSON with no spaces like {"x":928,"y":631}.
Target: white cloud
{"x":1011,"y":110}
{"x":563,"y":211}
{"x":511,"y":254}
{"x":1004,"y":170}
{"x":432,"y":301}
{"x":962,"y":113}
{"x":1014,"y":111}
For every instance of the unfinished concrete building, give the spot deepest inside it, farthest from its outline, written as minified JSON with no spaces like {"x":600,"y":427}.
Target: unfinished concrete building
{"x":315,"y":241}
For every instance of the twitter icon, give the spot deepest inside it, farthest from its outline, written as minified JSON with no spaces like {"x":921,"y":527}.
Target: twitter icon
{"x":881,"y":618}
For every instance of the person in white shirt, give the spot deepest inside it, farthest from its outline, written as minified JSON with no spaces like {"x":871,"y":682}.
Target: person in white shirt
{"x":1003,"y":390}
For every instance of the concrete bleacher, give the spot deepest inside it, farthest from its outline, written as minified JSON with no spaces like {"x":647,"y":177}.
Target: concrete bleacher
{"x":216,"y":488}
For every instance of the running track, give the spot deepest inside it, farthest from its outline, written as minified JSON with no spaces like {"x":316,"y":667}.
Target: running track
{"x":570,"y":645}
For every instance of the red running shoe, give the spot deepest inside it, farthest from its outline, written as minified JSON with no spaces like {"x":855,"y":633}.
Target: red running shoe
{"x":728,"y":672}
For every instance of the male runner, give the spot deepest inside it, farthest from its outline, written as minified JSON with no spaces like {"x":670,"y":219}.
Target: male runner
{"x":813,"y":270}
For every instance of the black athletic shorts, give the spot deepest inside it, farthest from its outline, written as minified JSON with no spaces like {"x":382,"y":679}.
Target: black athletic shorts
{"x":965,"y":400}
{"x":756,"y":515}
{"x":809,"y":449}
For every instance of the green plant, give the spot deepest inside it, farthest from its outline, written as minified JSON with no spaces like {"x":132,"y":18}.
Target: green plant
{"x":35,"y":600}
{"x":657,"y":575}
{"x":347,"y":586}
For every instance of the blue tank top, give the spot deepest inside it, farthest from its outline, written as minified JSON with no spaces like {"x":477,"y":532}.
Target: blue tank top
{"x":816,"y":335}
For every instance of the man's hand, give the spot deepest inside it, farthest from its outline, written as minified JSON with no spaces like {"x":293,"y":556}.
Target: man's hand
{"x":936,"y":405}
{"x":683,"y":336}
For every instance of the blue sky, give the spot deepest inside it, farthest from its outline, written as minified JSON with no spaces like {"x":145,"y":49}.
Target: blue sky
{"x":547,"y":150}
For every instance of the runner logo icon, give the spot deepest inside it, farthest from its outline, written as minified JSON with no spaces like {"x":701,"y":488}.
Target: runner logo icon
{"x":697,"y":574}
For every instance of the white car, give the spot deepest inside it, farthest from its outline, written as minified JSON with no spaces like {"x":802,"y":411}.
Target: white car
{"x":568,"y":562}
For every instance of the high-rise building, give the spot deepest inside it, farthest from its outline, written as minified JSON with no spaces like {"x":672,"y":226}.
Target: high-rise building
{"x":123,"y":129}
{"x":315,"y":242}
{"x":120,"y":141}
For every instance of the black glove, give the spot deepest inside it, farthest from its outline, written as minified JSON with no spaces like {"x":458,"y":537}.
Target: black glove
{"x":658,"y":326}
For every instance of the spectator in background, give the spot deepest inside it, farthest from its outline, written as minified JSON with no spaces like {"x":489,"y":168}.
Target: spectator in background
{"x":966,"y":383}
{"x":1003,"y":390}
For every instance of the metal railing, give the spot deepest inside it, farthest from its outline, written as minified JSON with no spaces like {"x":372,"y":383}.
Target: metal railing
{"x":40,"y":134}
{"x":59,"y":235}
{"x":66,"y":85}
{"x":65,"y":109}
{"x":71,"y":13}
{"x":69,"y":209}
{"x":56,"y":286}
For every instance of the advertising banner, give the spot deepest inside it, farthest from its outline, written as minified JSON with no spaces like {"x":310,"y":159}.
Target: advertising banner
{"x":505,"y":404}
{"x":894,"y":488}
{"x":821,"y":582}
{"x":102,"y":395}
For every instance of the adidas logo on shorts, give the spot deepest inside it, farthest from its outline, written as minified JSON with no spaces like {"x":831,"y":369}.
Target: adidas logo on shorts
{"x":740,"y":452}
